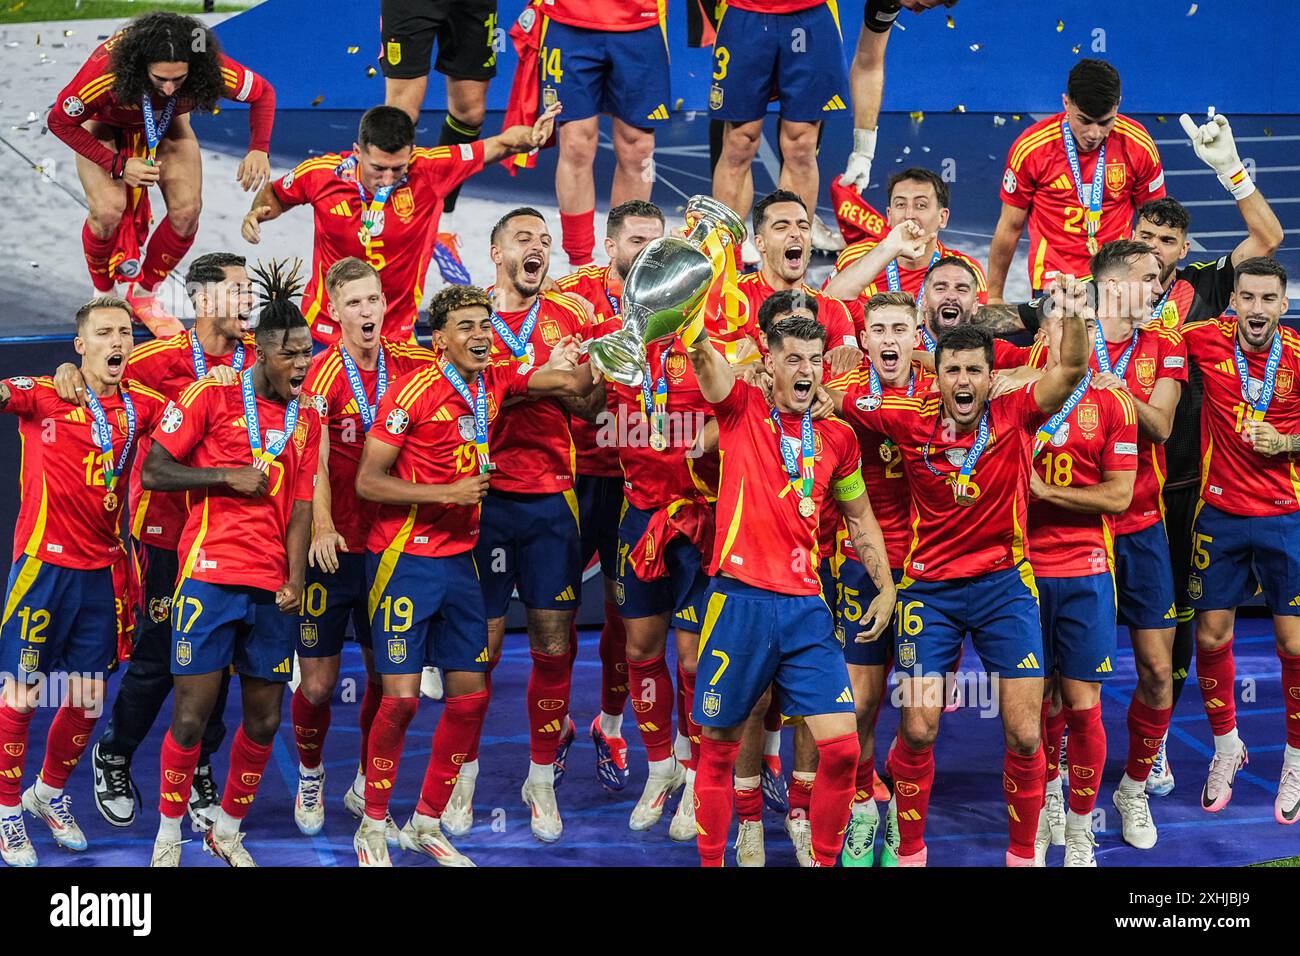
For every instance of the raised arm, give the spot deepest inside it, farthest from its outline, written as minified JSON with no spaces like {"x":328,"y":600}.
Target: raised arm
{"x":1011,"y":224}
{"x":1059,"y":381}
{"x":714,"y":373}
{"x":905,"y":239}
{"x":521,"y":139}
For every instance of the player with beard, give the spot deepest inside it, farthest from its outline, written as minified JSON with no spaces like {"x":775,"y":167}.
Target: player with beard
{"x":967,"y":567}
{"x":766,"y":622}
{"x":219,"y":345}
{"x":69,"y":568}
{"x":249,"y":524}
{"x":630,"y":227}
{"x":1249,"y":516}
{"x":529,"y":538}
{"x":348,"y":380}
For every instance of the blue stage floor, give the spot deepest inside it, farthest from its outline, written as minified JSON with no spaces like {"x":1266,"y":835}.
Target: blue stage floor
{"x":967,"y":814}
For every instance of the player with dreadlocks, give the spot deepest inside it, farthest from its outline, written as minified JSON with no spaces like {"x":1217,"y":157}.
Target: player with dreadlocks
{"x":250,"y":493}
{"x":125,"y":114}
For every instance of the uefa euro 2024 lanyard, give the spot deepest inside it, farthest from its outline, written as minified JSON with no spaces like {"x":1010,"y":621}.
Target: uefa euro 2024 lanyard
{"x":201,"y":361}
{"x":1258,"y":407}
{"x":103,"y":436}
{"x":961,"y":486}
{"x":873,"y":381}
{"x":358,"y":388}
{"x":896,"y":284}
{"x":518,"y":344}
{"x":155,"y":129}
{"x":1091,"y":200}
{"x":478,"y":405}
{"x":800,"y":479}
{"x":263,"y":457}
{"x":372,"y":209}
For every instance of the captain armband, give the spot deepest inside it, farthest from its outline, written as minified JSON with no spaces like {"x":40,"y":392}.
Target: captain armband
{"x":850,"y":488}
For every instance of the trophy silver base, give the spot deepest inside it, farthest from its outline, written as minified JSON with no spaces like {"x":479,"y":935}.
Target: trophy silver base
{"x":619,"y":356}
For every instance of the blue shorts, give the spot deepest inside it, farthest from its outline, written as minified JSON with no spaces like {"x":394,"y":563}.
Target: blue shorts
{"x":1144,"y":579}
{"x":328,"y":602}
{"x":57,"y":620}
{"x":753,"y":638}
{"x":217,"y":625}
{"x":1224,"y":546}
{"x":1000,"y":611}
{"x":856,"y":592}
{"x":532,"y":543}
{"x":682,"y":592}
{"x":622,"y":73}
{"x":426,"y":611}
{"x":1078,"y":616}
{"x":599,"y":502}
{"x":797,"y":58}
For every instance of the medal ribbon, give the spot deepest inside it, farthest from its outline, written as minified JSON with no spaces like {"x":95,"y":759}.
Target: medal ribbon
{"x":359,"y":390}
{"x":201,"y":361}
{"x":263,"y":457}
{"x":1103,"y":354}
{"x":1160,"y":306}
{"x":1259,"y":408}
{"x":1093,"y":201}
{"x":518,"y":345}
{"x":660,"y":400}
{"x":972,"y":456}
{"x":873,"y":381}
{"x":370,"y":208}
{"x":895,"y":284}
{"x":103,"y":436}
{"x":1052,"y":424}
{"x":155,"y":130}
{"x":478,"y":405}
{"x":792,"y":469}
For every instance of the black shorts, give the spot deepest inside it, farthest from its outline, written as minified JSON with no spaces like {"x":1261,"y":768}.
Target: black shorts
{"x":463,"y":29}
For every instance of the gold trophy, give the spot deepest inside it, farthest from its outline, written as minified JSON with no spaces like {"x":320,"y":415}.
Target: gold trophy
{"x":666,"y":287}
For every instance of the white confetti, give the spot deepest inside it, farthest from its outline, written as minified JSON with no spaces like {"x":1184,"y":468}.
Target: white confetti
{"x":998,"y":120}
{"x":925,"y":149}
{"x":974,"y":47}
{"x":1192,"y":11}
{"x":31,"y":118}
{"x":907,"y":150}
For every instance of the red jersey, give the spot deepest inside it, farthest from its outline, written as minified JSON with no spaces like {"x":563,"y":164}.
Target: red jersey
{"x":1160,"y":353}
{"x":328,"y":381}
{"x":432,"y":426}
{"x":831,"y":312}
{"x":168,"y":367}
{"x":1234,"y":477}
{"x":1038,"y":178}
{"x":229,"y":539}
{"x":62,"y":518}
{"x":89,"y":96}
{"x":652,"y":478}
{"x":766,"y":542}
{"x":1099,"y":435}
{"x":909,"y":280}
{"x":402,"y":245}
{"x":1006,"y":355}
{"x":775,"y":6}
{"x":534,"y":450}
{"x":592,"y":284}
{"x":951,"y":540}
{"x":612,"y":16}
{"x":882,"y":464}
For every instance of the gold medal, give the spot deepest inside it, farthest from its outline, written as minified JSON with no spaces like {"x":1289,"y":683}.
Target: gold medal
{"x":110,"y":501}
{"x":658,"y":442}
{"x":806,"y":507}
{"x":886,"y":452}
{"x":1092,"y":245}
{"x":964,"y":500}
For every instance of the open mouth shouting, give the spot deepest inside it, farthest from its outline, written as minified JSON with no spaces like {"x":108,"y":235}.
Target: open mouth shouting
{"x":533,"y":266}
{"x":963,"y":401}
{"x":889,"y":360}
{"x":369,"y":330}
{"x":1256,"y":326}
{"x":793,"y":259}
{"x":948,"y":315}
{"x":116,"y":362}
{"x":803,"y":390}
{"x":295,"y":385}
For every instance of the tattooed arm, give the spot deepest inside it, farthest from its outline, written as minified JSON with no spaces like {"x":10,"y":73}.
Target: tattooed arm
{"x":869,"y":542}
{"x":1267,"y":440}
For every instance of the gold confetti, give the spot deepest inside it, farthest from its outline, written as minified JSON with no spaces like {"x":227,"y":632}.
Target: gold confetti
{"x":318,"y":100}
{"x":1060,"y":26}
{"x":18,"y":6}
{"x":68,"y":33}
{"x":353,"y":49}
{"x":680,"y":102}
{"x":917,"y":116}
{"x":1161,"y":119}
{"x":959,"y":108}
{"x":216,"y":110}
{"x":370,"y":71}
{"x":1192,"y":11}
{"x":1075,"y":48}
{"x":1016,"y":117}
{"x":1268,"y":131}
{"x":951,"y":25}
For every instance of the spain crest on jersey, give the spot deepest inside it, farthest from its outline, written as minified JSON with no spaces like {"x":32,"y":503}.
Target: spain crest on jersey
{"x":184,"y":653}
{"x":307,"y":634}
{"x":1146,"y":371}
{"x":300,"y":436}
{"x":1116,"y":176}
{"x":1088,"y":417}
{"x":492,"y":407}
{"x":907,"y":655}
{"x":403,"y":202}
{"x":29,"y":659}
{"x":675,"y":366}
{"x":397,"y":650}
{"x":1285,"y":382}
{"x":550,"y":332}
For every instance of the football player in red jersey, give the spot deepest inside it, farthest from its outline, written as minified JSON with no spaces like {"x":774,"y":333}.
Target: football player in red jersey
{"x":766,"y":621}
{"x":1077,"y":178}
{"x":126,"y":113}
{"x":381,"y":201}
{"x":246,"y":456}
{"x":1085,"y":463}
{"x":630,"y":227}
{"x":917,"y":196}
{"x":891,"y":324}
{"x":1249,"y":515}
{"x":427,"y":462}
{"x":603,"y":56}
{"x":67,"y":590}
{"x":348,"y":379}
{"x":218,"y":346}
{"x":967,"y":566}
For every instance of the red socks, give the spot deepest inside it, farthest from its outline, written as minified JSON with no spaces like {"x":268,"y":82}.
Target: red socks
{"x":99,"y":253}
{"x":1023,"y":780}
{"x":1147,"y":726}
{"x":1053,"y":731}
{"x":613,"y":662}
{"x":247,"y":764}
{"x":713,"y":795}
{"x":1291,"y":696}
{"x":578,"y":232}
{"x":1216,"y":673}
{"x":385,"y":753}
{"x":749,"y":803}
{"x":799,"y":795}
{"x":176,"y":776}
{"x":573,"y":646}
{"x":492,"y":663}
{"x":1087,"y":757}
{"x":864,"y":781}
{"x":166,"y":250}
{"x":548,"y":704}
{"x":686,"y":704}
{"x":369,"y":707}
{"x":832,"y":795}
{"x":653,"y":705}
{"x":311,"y":722}
{"x":458,"y":731}
{"x":66,"y":742}
{"x":13,"y":753}
{"x":913,"y":779}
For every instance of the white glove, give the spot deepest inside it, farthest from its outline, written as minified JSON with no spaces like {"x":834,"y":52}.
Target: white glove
{"x":1216,"y":148}
{"x":858,"y":171}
